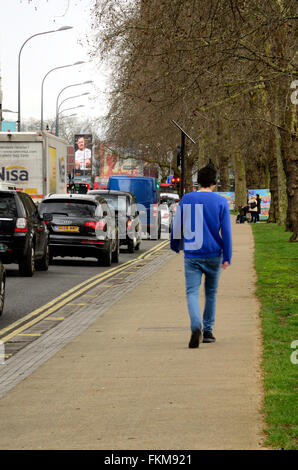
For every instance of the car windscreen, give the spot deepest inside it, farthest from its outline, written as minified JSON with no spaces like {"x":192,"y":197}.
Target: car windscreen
{"x":72,"y":208}
{"x":118,"y":203}
{"x":8,"y":206}
{"x":79,"y":188}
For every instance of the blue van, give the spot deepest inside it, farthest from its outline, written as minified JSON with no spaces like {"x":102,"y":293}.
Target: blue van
{"x":146,"y":193}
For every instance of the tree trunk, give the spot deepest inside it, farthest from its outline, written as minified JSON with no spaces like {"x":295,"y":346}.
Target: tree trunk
{"x":274,"y":177}
{"x":188,"y":177}
{"x":277,"y":176}
{"x":224,"y":173}
{"x":240,"y":180}
{"x":290,"y":165}
{"x":289,"y":155}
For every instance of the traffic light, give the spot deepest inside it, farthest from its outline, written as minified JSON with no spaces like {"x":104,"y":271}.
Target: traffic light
{"x":176,"y":181}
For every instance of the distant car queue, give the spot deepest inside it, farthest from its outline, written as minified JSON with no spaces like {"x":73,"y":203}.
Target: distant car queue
{"x":81,"y":223}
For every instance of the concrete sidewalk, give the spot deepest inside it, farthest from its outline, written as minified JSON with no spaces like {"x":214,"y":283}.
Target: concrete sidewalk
{"x":129,"y":380}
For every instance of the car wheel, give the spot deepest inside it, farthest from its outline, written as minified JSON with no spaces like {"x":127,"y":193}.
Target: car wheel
{"x":43,"y":263}
{"x":137,"y":247}
{"x":27,"y":264}
{"x":115,"y":254}
{"x":2,"y":296}
{"x":105,"y":258}
{"x":130,"y":246}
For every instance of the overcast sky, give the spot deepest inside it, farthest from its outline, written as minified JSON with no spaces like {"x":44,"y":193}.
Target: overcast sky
{"x":20,"y":19}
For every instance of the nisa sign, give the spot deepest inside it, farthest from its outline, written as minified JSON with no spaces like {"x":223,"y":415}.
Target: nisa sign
{"x":13,"y":173}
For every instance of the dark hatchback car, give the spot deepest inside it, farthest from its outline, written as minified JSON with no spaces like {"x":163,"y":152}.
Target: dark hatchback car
{"x":24,"y":238}
{"x":81,"y":226}
{"x":124,"y":205}
{"x":2,"y":287}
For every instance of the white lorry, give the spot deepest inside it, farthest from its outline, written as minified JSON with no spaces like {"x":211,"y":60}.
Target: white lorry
{"x":33,"y":162}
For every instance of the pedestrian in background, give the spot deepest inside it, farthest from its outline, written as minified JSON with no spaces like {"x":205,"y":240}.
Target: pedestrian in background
{"x":203,"y":221}
{"x":253,"y":208}
{"x":259,"y":200}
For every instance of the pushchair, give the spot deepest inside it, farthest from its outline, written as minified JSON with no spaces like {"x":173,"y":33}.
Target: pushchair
{"x":241,"y":216}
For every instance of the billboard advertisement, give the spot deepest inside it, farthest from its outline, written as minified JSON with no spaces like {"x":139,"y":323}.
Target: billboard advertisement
{"x":230,"y":197}
{"x":83,"y":155}
{"x":265,"y":197}
{"x":110,"y":164}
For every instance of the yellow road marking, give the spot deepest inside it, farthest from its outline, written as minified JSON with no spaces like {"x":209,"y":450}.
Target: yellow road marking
{"x":71,"y":294}
{"x":57,"y":299}
{"x":76,"y":304}
{"x":29,"y":334}
{"x":55,"y":318}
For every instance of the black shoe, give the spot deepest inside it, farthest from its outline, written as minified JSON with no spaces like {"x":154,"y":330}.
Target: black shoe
{"x":195,"y":339}
{"x":208,"y":337}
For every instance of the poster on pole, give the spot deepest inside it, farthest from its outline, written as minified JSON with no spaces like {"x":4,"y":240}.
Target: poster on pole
{"x":265,"y":197}
{"x":83,"y":155}
{"x":230,"y":197}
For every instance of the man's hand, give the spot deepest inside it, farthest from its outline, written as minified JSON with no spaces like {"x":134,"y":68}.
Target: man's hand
{"x":225,"y":265}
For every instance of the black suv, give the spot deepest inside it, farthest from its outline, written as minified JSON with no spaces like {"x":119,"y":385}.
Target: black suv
{"x":124,"y":205}
{"x":81,"y":225}
{"x":23,"y":234}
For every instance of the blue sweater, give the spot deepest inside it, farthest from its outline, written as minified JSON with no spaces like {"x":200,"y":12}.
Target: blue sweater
{"x":204,"y":220}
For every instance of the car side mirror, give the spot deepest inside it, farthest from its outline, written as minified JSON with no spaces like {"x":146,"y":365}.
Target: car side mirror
{"x":105,"y":213}
{"x":137,"y":213}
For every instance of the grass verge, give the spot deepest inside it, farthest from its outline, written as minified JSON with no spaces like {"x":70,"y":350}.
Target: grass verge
{"x":276,"y":264}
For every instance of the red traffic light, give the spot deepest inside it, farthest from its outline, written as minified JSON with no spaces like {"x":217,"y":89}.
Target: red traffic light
{"x":178,"y":180}
{"x":173,"y":181}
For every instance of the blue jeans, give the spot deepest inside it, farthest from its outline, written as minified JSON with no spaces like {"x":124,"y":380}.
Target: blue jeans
{"x":194,"y":268}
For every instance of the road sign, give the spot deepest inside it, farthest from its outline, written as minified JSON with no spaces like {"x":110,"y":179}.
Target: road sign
{"x":9,"y":126}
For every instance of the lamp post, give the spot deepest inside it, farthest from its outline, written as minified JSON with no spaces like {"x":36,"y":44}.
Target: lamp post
{"x":181,"y":156}
{"x":63,"y":28}
{"x":72,"y":97}
{"x":42,"y":85}
{"x":68,"y":109}
{"x":57,"y":107}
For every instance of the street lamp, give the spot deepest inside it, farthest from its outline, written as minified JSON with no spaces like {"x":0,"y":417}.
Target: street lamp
{"x":71,"y":97}
{"x":68,"y":109}
{"x":55,"y":68}
{"x":57,"y":107}
{"x":63,"y":28}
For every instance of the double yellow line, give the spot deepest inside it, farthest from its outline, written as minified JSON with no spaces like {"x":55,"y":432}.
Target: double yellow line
{"x":63,"y":299}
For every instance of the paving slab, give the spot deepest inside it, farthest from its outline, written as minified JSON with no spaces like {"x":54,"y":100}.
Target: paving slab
{"x":129,"y":380}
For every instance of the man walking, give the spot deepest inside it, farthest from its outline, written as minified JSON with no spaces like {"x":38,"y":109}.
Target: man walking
{"x":203,"y":221}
